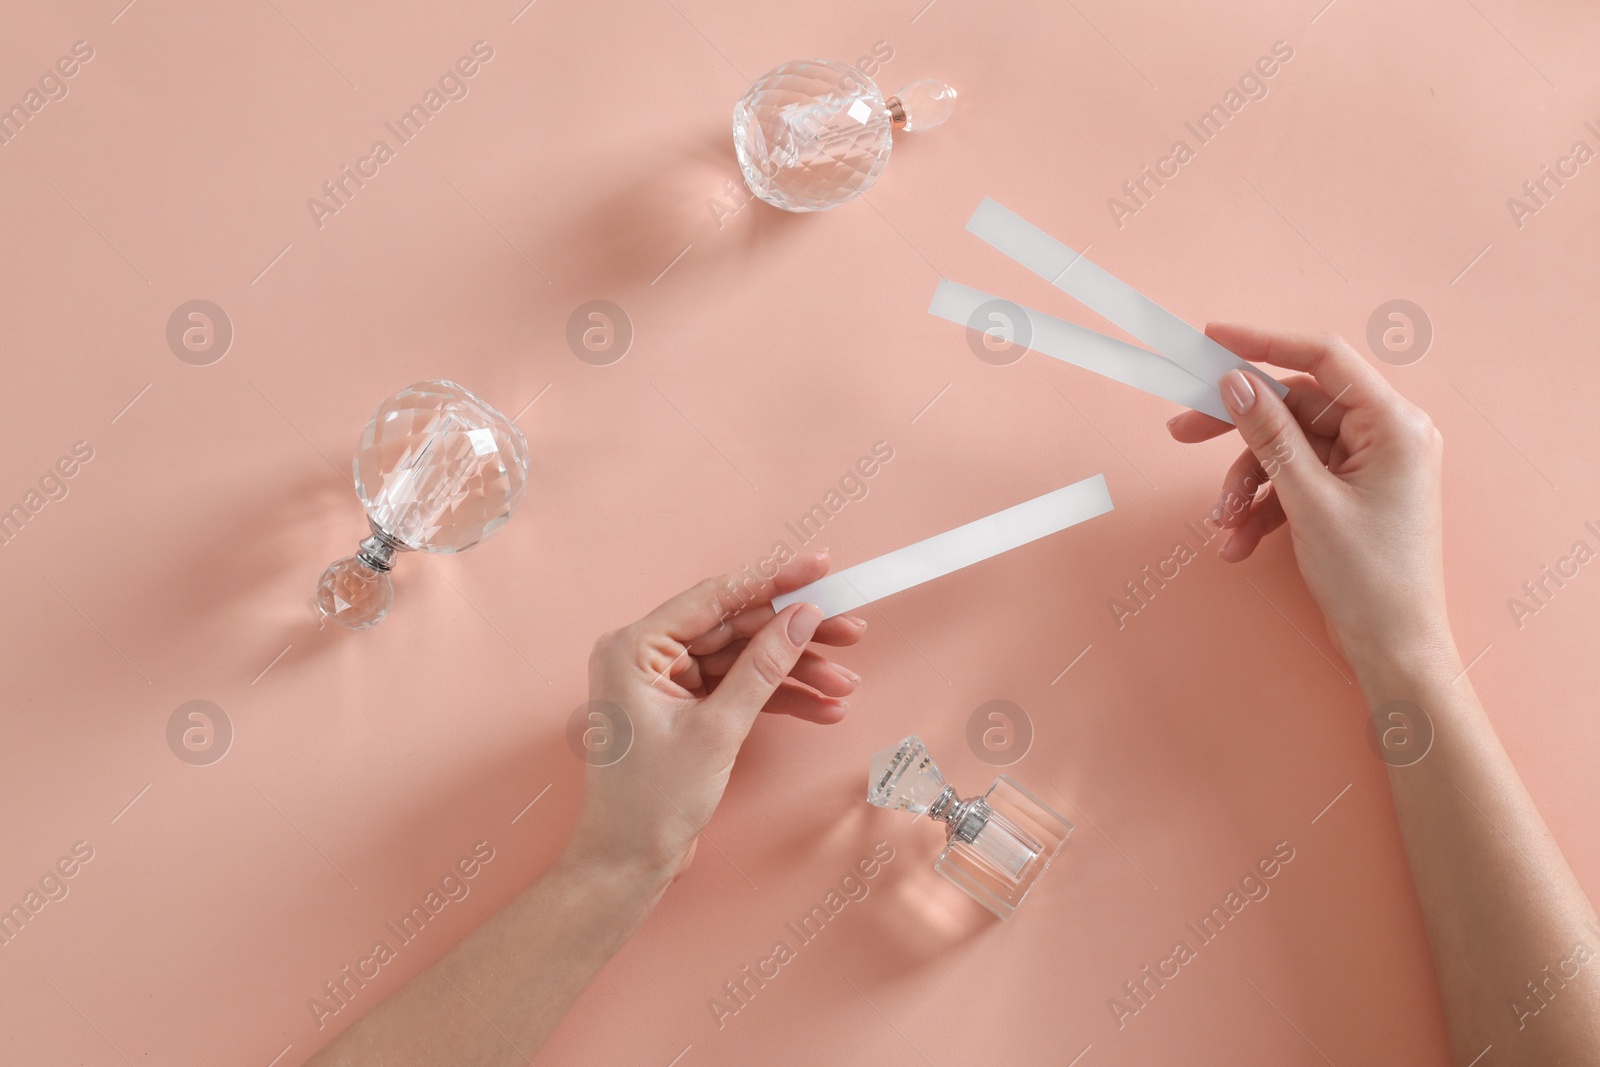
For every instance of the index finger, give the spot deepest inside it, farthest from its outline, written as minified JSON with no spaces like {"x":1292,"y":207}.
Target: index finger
{"x":700,"y":609}
{"x":1338,"y":368}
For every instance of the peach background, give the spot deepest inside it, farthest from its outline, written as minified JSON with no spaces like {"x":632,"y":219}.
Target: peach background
{"x":1215,"y":724}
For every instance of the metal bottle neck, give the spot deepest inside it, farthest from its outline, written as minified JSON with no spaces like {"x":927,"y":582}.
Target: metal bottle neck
{"x":378,"y":551}
{"x":964,"y":818}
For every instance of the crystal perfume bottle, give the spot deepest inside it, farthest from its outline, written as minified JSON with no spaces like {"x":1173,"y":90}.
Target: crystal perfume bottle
{"x":997,"y":844}
{"x":814,"y":134}
{"x":438,"y":469}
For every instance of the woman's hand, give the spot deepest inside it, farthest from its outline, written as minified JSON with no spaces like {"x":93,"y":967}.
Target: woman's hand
{"x":686,"y":682}
{"x":1354,"y":468}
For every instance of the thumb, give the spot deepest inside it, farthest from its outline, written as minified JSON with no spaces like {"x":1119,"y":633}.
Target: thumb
{"x":1272,"y":433}
{"x":767,"y":660}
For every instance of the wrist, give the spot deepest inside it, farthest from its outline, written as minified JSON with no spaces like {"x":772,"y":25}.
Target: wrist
{"x":1404,"y":670}
{"x":626,"y":881}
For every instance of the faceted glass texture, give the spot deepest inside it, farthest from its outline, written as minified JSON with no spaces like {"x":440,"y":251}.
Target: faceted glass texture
{"x":439,"y":469}
{"x":354,"y":595}
{"x":812,"y":135}
{"x":905,"y":778}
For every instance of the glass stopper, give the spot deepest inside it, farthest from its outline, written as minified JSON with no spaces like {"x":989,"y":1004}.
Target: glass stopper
{"x":905,"y":778}
{"x":353,"y":594}
{"x":922,"y":105}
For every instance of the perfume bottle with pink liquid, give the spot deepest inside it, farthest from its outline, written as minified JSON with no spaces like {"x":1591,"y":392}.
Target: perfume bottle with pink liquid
{"x":997,"y":845}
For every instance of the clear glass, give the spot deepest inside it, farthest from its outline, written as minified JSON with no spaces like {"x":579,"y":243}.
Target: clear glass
{"x":905,"y":778}
{"x":814,"y":134}
{"x":354,"y":594}
{"x":1019,"y":837}
{"x":438,"y":469}
{"x":927,"y":103}
{"x":997,"y":845}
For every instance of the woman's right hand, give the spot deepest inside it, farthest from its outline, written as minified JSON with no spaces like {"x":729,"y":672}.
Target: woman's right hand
{"x":1355,"y":470}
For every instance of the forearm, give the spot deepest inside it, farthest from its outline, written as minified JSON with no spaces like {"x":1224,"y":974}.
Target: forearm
{"x":497,"y":996}
{"x":1503,"y":908}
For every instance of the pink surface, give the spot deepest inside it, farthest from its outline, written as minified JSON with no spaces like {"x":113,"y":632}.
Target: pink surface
{"x":770,"y":353}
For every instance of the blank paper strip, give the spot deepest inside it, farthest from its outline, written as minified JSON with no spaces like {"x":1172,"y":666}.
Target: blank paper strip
{"x":1106,"y":295}
{"x":950,"y":551}
{"x":1071,"y":343}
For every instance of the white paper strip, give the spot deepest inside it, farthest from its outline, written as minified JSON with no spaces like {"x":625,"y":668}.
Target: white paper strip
{"x":1106,"y":295}
{"x":1071,"y":343}
{"x":954,"y":549}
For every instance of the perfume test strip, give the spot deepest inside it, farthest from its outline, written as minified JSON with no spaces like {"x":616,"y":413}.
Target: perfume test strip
{"x":1082,"y":347}
{"x":1109,"y":296}
{"x":954,"y":549}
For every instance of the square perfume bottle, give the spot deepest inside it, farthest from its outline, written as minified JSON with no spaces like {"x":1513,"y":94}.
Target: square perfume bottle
{"x":997,"y":845}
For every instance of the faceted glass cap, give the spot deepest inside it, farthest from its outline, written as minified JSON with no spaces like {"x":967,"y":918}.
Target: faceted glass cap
{"x":905,"y":778}
{"x":439,"y":469}
{"x":925,"y":103}
{"x":353,"y":594}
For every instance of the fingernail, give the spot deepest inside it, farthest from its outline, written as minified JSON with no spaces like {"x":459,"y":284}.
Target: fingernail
{"x":847,"y":674}
{"x":1237,"y":392}
{"x":804,"y":623}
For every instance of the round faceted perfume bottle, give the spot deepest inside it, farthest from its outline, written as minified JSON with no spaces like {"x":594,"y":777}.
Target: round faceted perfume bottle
{"x":997,"y":845}
{"x":438,"y":469}
{"x":814,"y":134}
